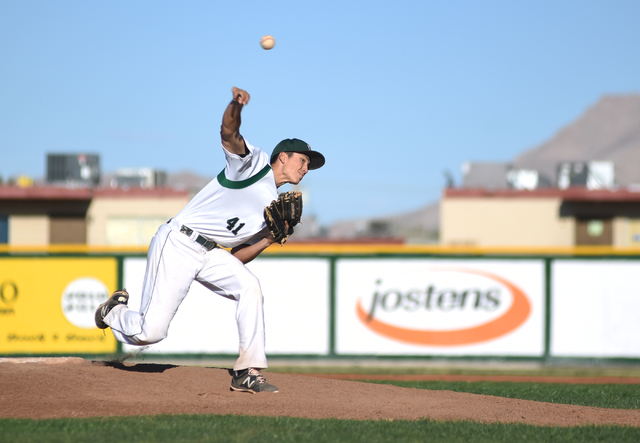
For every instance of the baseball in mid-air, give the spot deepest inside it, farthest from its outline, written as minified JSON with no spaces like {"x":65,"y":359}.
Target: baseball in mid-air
{"x":267,"y":42}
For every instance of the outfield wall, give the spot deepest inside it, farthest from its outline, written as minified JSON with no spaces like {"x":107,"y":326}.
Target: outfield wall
{"x":348,"y":302}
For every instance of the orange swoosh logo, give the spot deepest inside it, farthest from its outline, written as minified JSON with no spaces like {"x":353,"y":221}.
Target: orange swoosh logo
{"x":507,"y":322}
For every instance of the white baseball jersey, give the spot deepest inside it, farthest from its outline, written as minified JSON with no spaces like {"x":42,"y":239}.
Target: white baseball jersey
{"x":229,"y":210}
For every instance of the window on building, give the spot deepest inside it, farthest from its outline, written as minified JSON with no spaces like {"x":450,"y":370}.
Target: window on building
{"x":4,"y":229}
{"x":594,"y":232}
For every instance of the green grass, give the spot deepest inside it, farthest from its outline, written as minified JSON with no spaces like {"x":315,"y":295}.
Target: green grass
{"x":480,"y":369}
{"x":207,"y":428}
{"x":617,"y":396}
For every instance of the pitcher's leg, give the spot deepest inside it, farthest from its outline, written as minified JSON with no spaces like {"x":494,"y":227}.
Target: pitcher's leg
{"x":250,"y":320}
{"x":227,"y":276}
{"x":172,"y":265}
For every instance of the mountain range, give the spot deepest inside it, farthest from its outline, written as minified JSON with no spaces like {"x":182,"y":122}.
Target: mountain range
{"x":607,"y":131}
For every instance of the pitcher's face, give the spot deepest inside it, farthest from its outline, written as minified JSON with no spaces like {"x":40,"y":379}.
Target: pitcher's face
{"x":295,"y":167}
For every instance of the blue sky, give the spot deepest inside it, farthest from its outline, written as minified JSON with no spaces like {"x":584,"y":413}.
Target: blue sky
{"x":393,"y":93}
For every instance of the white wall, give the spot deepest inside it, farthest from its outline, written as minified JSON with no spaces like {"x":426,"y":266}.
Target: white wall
{"x":296,"y":306}
{"x":440,"y":307}
{"x":595,"y":308}
{"x":415,"y":302}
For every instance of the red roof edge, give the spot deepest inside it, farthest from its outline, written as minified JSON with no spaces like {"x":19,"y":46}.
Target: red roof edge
{"x":64,"y":193}
{"x":571,"y":194}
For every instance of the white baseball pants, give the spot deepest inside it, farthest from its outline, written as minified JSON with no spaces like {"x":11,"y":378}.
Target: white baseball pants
{"x":174,"y":261}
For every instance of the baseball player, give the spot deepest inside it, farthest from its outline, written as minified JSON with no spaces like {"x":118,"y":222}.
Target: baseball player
{"x":226,"y":213}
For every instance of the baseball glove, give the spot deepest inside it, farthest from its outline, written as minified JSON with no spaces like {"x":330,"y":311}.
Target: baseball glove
{"x":287,"y":208}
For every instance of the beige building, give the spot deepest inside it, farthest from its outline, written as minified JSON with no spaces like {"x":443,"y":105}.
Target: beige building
{"x":541,"y":217}
{"x":45,"y":215}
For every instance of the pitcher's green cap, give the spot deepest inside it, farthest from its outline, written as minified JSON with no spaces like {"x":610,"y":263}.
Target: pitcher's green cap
{"x":316,"y":160}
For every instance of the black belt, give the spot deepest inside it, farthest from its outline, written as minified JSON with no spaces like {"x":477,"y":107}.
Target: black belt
{"x":201,"y":239}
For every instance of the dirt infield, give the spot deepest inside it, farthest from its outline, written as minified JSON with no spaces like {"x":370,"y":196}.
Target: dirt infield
{"x":74,"y":387}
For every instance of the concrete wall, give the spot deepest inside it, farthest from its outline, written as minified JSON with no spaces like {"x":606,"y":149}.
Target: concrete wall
{"x":29,"y":230}
{"x":503,"y":221}
{"x":626,"y":232}
{"x":112,"y":220}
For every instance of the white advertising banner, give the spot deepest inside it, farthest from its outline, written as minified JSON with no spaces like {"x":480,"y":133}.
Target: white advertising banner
{"x":296,"y":310}
{"x":595,"y":308}
{"x":449,"y":307}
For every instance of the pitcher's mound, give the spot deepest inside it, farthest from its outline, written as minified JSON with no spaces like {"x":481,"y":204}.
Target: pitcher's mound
{"x":73,"y":387}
